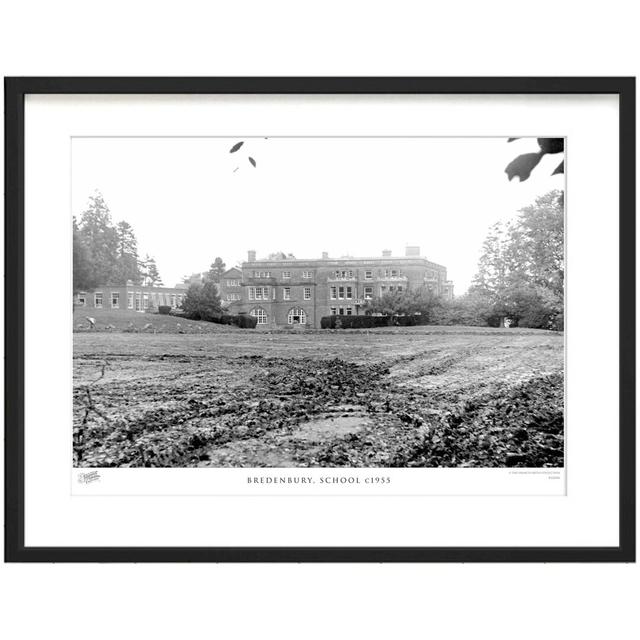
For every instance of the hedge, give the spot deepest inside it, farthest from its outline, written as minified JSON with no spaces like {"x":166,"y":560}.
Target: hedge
{"x":243,"y":321}
{"x":164,"y":309}
{"x":370,"y":322}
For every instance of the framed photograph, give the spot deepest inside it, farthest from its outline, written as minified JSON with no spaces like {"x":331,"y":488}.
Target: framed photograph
{"x":320,"y":319}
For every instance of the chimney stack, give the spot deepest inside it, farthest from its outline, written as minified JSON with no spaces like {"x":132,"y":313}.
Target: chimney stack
{"x":412,"y":252}
{"x":325,"y":255}
{"x":251,"y":256}
{"x":386,"y":253}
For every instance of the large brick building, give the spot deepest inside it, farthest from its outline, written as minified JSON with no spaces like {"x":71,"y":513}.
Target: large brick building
{"x":291,"y":291}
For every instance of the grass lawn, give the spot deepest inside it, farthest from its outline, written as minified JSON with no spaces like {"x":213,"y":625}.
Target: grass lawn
{"x":118,"y":320}
{"x":397,"y":397}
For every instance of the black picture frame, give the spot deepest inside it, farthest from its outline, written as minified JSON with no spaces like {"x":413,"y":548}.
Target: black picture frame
{"x":15,"y":91}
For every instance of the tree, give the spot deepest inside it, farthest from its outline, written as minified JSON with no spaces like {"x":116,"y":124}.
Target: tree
{"x":150,"y":274}
{"x":521,"y":269}
{"x":83,"y":276}
{"x":280,"y":255}
{"x":408,"y":302}
{"x":100,"y":239}
{"x":216,"y":270}
{"x":202,"y":301}
{"x":128,"y":265}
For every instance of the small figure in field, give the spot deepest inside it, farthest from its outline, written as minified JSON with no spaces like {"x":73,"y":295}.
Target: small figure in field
{"x":179,"y":328}
{"x":91,"y":321}
{"x":147,"y":326}
{"x":110,"y":327}
{"x":131,"y":327}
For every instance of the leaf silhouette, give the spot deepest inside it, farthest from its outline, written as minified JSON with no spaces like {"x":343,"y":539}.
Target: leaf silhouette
{"x":236,"y":147}
{"x":252,"y":161}
{"x":558,"y":169}
{"x":523,"y":165}
{"x":551,"y":145}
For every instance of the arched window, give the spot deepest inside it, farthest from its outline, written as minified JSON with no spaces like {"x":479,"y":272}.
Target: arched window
{"x":297,"y":316}
{"x":260,"y":314}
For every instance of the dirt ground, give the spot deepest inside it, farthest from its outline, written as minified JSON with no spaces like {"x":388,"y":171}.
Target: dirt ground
{"x":419,"y":396}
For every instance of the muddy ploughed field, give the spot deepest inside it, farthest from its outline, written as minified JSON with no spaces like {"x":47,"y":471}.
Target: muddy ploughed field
{"x":411,"y":397}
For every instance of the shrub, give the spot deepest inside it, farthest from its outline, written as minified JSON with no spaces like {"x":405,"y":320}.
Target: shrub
{"x":164,"y":309}
{"x":354,"y":322}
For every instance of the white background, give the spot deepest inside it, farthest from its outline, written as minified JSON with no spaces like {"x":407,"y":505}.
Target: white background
{"x":332,"y":38}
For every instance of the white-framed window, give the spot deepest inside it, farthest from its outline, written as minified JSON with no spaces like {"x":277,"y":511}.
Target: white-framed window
{"x":233,"y":283}
{"x":349,"y":311}
{"x":297,"y":316}
{"x":333,"y":293}
{"x":130,"y":300}
{"x":260,"y":314}
{"x":334,"y":311}
{"x":340,"y":293}
{"x":82,"y":299}
{"x":368,"y":293}
{"x":233,"y":296}
{"x":262,"y":274}
{"x":173,"y":300}
{"x":307,"y":274}
{"x":286,"y":293}
{"x":286,"y":274}
{"x":341,"y":311}
{"x":394,"y":273}
{"x":138,"y":300}
{"x":258,"y":293}
{"x":344,"y":274}
{"x":97,"y":299}
{"x":349,"y":293}
{"x":368,"y":274}
{"x":145,"y":300}
{"x":307,"y":293}
{"x":115,"y":300}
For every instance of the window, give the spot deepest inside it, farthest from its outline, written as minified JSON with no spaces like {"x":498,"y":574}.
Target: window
{"x":297,"y":316}
{"x":262,"y":274}
{"x":306,"y":274}
{"x":286,"y":293}
{"x":130,"y":300}
{"x":233,"y":296}
{"x":349,"y":293}
{"x":258,"y":293}
{"x":145,"y":300}
{"x":341,"y":311}
{"x":399,"y":288}
{"x":333,"y":292}
{"x":97,"y":300}
{"x":368,"y":293}
{"x":307,"y":293}
{"x":138,"y":301}
{"x":348,"y":311}
{"x":260,"y":314}
{"x":286,"y":274}
{"x":233,"y":283}
{"x":82,"y":299}
{"x":173,"y":300}
{"x":333,"y":311}
{"x":344,"y":275}
{"x":340,"y":293}
{"x":394,"y":273}
{"x":368,"y":274}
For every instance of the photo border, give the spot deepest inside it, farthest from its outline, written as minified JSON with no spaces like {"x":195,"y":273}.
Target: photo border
{"x":15,"y":91}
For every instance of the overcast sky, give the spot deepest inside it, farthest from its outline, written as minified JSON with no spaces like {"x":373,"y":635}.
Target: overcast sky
{"x":190,"y":200}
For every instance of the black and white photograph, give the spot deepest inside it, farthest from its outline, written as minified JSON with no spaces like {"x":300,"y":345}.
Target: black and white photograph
{"x":334,"y":302}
